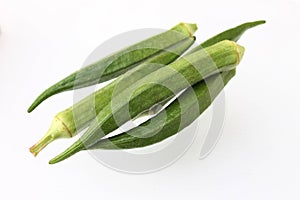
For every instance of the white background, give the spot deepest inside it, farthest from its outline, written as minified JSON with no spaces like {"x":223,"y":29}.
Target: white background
{"x":257,"y":156}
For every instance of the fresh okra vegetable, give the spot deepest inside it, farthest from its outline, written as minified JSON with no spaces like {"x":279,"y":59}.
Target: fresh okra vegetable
{"x":67,"y":123}
{"x":179,"y":75}
{"x":182,"y":111}
{"x":118,"y":63}
{"x":178,"y":115}
{"x":64,"y":126}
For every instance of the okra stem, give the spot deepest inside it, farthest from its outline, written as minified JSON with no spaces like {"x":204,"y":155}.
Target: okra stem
{"x":58,"y":130}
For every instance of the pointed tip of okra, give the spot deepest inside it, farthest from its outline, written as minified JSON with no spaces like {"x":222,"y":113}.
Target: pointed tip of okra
{"x":51,"y":162}
{"x":55,"y":160}
{"x":57,"y":130}
{"x":252,"y":23}
{"x":37,"y":102}
{"x":54,"y":89}
{"x":31,"y":108}
{"x":73,"y":149}
{"x":258,"y":22}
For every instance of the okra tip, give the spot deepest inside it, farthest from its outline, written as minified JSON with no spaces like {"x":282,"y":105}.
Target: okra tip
{"x":259,"y":22}
{"x":75,"y":148}
{"x":42,"y":97}
{"x":47,"y":93}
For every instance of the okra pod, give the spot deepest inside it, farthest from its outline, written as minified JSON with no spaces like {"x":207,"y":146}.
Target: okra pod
{"x":178,"y":115}
{"x":118,"y":63}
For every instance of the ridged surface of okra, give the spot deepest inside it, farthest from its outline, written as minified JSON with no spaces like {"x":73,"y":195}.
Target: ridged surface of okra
{"x":178,"y":115}
{"x":180,"y":74}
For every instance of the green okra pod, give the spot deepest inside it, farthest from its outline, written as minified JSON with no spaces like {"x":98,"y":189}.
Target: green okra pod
{"x":178,"y":115}
{"x":118,"y":63}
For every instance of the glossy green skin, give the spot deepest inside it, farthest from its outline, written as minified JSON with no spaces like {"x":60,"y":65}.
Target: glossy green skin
{"x":80,"y":114}
{"x":118,"y":63}
{"x":179,"y":114}
{"x":222,"y":56}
